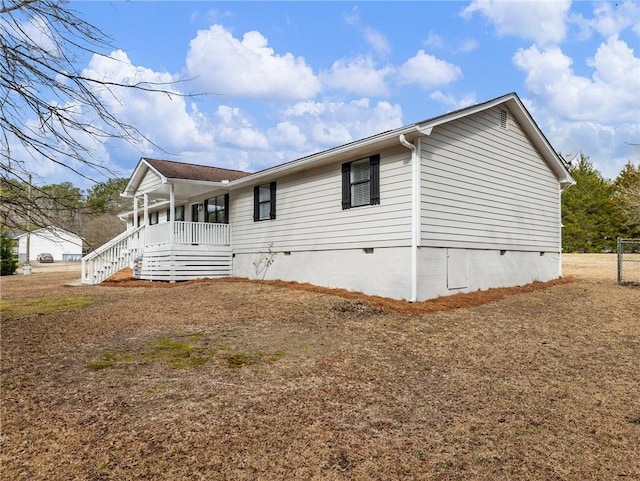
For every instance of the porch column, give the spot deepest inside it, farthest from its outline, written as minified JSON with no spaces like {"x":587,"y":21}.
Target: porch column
{"x":146,"y":210}
{"x":172,"y":213}
{"x":135,"y":212}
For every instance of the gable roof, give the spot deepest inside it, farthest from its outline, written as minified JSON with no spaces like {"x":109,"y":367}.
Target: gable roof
{"x":168,"y":170}
{"x":424,"y":127}
{"x":52,"y":230}
{"x":181,"y":170}
{"x":235,"y":178}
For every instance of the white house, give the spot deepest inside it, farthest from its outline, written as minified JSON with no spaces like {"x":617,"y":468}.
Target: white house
{"x":61,"y":244}
{"x":465,"y":201}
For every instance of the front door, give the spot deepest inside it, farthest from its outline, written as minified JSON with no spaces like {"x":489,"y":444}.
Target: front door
{"x":194,"y":212}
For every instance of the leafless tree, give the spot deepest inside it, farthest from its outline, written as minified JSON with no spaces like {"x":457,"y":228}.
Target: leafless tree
{"x":50,"y":111}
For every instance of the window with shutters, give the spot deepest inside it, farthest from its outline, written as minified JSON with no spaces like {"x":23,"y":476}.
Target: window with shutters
{"x":217,"y":209}
{"x":264,"y":202}
{"x":361,"y":182}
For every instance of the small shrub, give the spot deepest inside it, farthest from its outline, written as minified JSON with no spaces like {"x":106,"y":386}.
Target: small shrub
{"x":8,"y":263}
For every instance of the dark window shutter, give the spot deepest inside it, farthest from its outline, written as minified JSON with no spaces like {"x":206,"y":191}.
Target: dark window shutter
{"x":226,"y":209}
{"x":374,"y":165}
{"x":272,"y":213}
{"x":168,"y":215}
{"x":256,"y":203}
{"x":346,"y":185}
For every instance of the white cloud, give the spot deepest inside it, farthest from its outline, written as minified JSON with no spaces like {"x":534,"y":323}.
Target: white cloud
{"x":453,"y":101}
{"x":434,"y":40}
{"x":163,"y":118}
{"x":248,"y":67}
{"x":329,"y":124}
{"x":542,"y":22}
{"x":287,"y":134}
{"x":428,"y":71}
{"x":464,"y":46}
{"x":468,"y":45}
{"x":599,"y":114}
{"x":611,"y":94}
{"x":233,"y":129}
{"x":377,"y":41}
{"x":358,"y":75}
{"x":606,"y":145}
{"x":610,"y":19}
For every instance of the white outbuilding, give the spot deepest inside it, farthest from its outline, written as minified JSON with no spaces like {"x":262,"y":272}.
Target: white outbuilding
{"x":61,"y":244}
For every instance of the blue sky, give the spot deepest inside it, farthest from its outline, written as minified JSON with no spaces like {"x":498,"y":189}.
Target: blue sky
{"x":286,"y":79}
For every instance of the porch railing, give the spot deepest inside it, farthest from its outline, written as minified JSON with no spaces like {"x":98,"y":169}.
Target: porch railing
{"x":123,"y":250}
{"x":190,"y":233}
{"x":118,"y":253}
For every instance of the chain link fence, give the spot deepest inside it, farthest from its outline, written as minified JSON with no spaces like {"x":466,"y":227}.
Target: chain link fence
{"x":628,"y":261}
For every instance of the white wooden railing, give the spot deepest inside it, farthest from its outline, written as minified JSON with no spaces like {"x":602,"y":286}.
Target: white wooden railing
{"x":123,"y":250}
{"x":190,"y":233}
{"x":118,"y":253}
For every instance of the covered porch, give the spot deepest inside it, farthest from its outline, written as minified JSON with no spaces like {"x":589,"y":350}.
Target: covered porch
{"x":190,"y":242}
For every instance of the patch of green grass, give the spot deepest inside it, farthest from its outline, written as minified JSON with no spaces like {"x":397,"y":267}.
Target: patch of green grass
{"x":107,"y":359}
{"x":42,"y":305}
{"x":241,"y":359}
{"x":178,"y":354}
{"x":181,"y":350}
{"x":250,"y":358}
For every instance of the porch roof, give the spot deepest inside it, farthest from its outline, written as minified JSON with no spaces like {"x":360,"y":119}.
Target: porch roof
{"x":188,"y":179}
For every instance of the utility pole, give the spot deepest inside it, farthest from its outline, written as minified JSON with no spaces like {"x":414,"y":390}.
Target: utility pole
{"x":26,"y":268}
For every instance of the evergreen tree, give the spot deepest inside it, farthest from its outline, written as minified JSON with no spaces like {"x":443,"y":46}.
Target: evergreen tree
{"x":627,"y":186}
{"x":587,"y":211}
{"x":8,"y":262}
{"x":105,"y":198}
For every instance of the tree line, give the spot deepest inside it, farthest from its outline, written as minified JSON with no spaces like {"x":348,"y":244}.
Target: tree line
{"x":595,"y":211}
{"x":93,"y":215}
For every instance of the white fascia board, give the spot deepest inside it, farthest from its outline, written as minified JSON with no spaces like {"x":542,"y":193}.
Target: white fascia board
{"x":527,"y":122}
{"x":328,"y":156}
{"x":136,"y":177}
{"x":220,"y":185}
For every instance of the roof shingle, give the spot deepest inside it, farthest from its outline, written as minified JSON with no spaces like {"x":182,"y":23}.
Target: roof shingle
{"x":181,"y":170}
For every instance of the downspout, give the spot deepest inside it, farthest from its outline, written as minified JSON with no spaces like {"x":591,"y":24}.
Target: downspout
{"x":415,"y":218}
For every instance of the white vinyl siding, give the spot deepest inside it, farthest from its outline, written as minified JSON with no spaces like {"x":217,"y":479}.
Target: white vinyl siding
{"x":310,"y":214}
{"x":150,"y":181}
{"x":485,"y":186}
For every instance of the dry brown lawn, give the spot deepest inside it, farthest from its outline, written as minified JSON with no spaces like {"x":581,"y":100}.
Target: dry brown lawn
{"x":237,"y":381}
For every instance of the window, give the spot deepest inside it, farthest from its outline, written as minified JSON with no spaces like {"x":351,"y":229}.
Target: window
{"x":194,"y":212}
{"x":179,"y":213}
{"x":153,"y":218}
{"x":217,"y":209}
{"x":264,"y":202}
{"x":361,"y":182}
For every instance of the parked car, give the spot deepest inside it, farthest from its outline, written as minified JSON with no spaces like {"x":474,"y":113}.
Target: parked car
{"x":44,"y":257}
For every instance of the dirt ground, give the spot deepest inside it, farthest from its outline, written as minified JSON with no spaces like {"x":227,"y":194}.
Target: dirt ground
{"x":236,"y":380}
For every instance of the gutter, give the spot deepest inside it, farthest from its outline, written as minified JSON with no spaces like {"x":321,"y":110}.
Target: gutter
{"x":415,"y":211}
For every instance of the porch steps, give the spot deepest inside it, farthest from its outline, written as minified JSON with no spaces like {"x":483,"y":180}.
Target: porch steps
{"x":116,"y":254}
